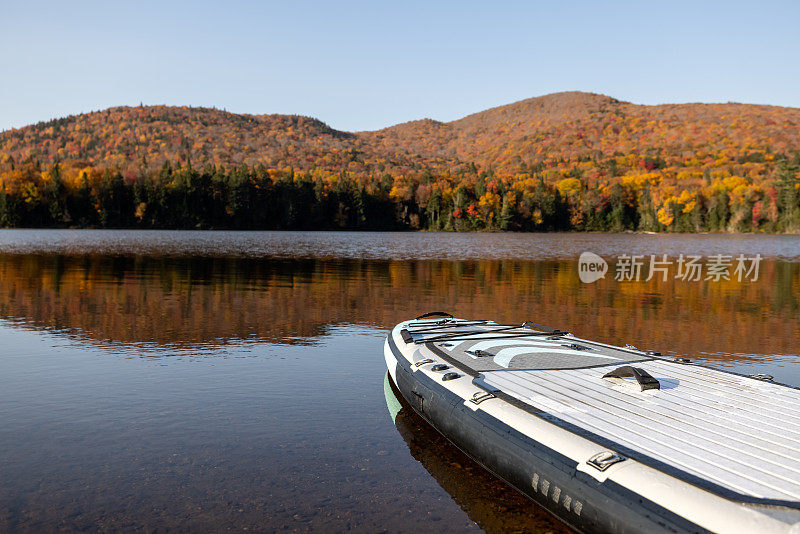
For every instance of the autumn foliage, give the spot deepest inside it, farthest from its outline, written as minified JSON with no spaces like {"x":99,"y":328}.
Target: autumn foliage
{"x":564,"y":161}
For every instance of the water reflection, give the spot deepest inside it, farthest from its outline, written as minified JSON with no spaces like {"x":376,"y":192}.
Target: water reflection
{"x":175,"y":302}
{"x":256,"y":405}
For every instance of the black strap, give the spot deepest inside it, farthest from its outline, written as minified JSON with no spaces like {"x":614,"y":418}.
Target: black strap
{"x":645,"y":380}
{"x":433,"y":314}
{"x":440,"y":327}
{"x":465,"y":336}
{"x":446,"y":336}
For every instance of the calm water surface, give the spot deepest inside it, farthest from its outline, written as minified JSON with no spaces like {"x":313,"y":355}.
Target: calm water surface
{"x":235,"y":380}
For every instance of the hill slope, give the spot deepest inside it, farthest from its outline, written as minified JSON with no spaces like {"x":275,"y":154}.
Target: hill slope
{"x":596,"y":162}
{"x":129,"y":134}
{"x":572,"y":126}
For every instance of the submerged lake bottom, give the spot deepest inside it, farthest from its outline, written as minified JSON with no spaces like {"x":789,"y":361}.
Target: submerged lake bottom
{"x":159,"y":381}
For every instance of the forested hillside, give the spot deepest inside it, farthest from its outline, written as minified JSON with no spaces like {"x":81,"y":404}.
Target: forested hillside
{"x":571,"y":161}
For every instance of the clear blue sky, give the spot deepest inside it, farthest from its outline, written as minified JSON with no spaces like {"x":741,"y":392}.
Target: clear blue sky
{"x":365,"y":65}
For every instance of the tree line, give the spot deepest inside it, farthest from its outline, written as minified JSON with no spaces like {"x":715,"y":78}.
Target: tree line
{"x":255,"y":197}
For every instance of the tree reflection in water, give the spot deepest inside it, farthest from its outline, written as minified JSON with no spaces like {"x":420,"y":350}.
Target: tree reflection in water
{"x":168,"y":301}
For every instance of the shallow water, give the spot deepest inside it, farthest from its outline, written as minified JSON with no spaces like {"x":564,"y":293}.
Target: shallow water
{"x":235,"y":380}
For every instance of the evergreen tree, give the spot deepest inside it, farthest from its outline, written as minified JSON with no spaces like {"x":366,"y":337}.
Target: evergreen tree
{"x":788,"y":198}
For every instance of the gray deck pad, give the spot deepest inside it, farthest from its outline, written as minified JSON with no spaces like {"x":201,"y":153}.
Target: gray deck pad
{"x":489,"y":348}
{"x":523,"y":354}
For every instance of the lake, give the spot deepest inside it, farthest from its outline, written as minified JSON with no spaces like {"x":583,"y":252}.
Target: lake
{"x":211,"y":381}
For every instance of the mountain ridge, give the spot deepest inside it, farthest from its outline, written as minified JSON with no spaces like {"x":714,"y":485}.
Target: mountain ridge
{"x":591,"y":137}
{"x":197,"y":133}
{"x":568,"y":160}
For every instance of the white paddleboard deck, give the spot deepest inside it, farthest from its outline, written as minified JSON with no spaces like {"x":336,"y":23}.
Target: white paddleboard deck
{"x":719,"y":449}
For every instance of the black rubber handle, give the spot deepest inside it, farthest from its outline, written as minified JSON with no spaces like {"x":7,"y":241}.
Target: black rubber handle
{"x":645,"y":380}
{"x":433,"y":314}
{"x":537,"y":326}
{"x":406,"y":335}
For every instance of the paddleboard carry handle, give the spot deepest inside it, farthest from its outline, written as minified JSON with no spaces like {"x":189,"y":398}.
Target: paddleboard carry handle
{"x":540,"y":327}
{"x":406,"y":335}
{"x":433,"y":314}
{"x":643,"y":378}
